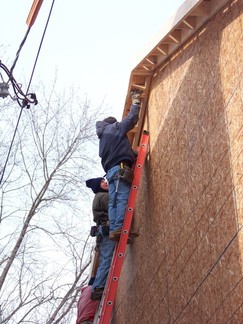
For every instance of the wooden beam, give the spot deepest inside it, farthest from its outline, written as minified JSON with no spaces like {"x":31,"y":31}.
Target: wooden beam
{"x":190,"y":21}
{"x":142,"y":72}
{"x":152,"y":59}
{"x":33,"y":12}
{"x":175,"y":35}
{"x":163,"y":48}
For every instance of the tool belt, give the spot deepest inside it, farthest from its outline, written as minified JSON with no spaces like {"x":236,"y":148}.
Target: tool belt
{"x":126,"y":173}
{"x":94,"y":232}
{"x":105,"y":229}
{"x":100,"y":217}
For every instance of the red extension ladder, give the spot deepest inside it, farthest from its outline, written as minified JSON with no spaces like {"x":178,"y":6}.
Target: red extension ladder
{"x":107,"y":302}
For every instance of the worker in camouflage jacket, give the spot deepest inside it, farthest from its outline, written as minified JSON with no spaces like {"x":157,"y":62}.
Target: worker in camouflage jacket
{"x":104,"y":245}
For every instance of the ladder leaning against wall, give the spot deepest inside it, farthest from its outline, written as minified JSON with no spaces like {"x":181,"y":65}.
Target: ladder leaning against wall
{"x":105,"y":309}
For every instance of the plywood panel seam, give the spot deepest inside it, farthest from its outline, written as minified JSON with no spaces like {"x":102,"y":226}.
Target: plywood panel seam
{"x":207,"y":275}
{"x":221,"y":304}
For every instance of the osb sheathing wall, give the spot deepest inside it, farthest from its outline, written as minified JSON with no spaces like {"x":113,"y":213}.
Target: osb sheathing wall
{"x":186,"y":266}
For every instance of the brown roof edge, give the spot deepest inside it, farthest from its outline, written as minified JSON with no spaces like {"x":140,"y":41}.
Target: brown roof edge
{"x":187,"y":19}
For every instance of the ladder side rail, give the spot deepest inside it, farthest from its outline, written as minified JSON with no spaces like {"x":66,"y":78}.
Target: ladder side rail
{"x":108,"y":299}
{"x":103,"y":302}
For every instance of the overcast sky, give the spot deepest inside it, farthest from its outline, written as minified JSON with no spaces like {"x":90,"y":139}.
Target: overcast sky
{"x":93,"y":44}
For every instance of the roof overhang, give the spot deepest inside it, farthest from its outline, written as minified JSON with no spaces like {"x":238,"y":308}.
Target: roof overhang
{"x":189,"y":17}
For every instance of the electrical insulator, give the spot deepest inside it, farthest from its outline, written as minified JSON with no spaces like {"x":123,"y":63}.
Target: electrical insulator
{"x":4,"y":90}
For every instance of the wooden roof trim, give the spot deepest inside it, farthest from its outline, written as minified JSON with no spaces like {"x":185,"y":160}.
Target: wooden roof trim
{"x":189,"y":17}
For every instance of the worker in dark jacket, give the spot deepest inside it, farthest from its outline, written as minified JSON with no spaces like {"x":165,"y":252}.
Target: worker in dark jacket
{"x":116,"y":152}
{"x":104,"y":245}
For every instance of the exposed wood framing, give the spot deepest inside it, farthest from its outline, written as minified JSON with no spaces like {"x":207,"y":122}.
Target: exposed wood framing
{"x":190,"y":16}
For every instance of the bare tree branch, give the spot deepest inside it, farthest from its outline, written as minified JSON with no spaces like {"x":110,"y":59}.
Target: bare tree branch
{"x":44,"y":215}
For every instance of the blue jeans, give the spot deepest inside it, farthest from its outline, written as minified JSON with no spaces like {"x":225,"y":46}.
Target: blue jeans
{"x":117,"y":210}
{"x":106,"y":253}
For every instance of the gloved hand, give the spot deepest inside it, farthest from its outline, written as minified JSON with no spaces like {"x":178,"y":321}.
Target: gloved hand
{"x":136,"y":94}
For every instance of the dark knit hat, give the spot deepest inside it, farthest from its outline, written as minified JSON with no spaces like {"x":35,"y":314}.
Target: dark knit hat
{"x":94,"y":184}
{"x":110,"y":120}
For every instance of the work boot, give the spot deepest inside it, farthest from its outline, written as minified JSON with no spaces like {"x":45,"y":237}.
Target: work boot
{"x":115,"y":235}
{"x":129,"y":240}
{"x":97,"y":294}
{"x":135,"y":94}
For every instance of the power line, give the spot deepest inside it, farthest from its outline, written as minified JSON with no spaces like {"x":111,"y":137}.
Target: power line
{"x":26,"y":100}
